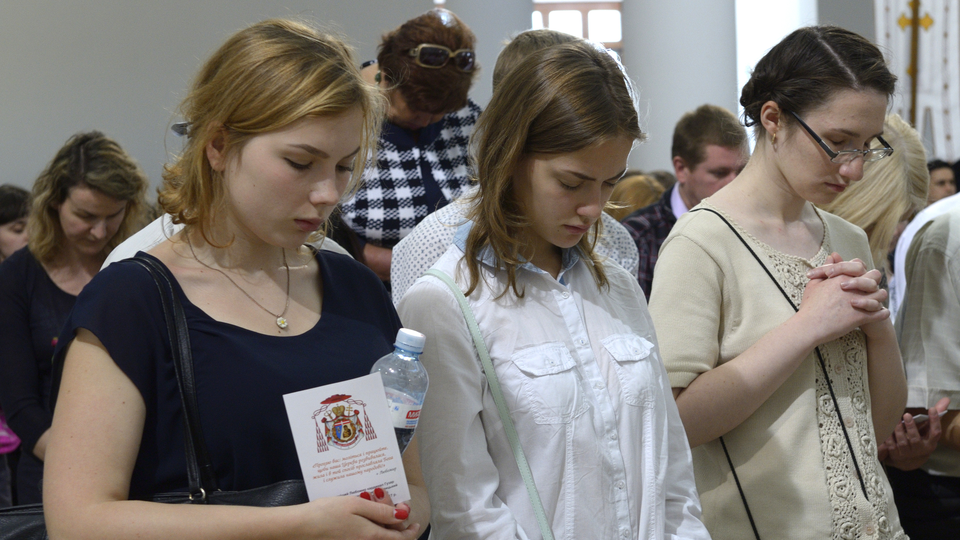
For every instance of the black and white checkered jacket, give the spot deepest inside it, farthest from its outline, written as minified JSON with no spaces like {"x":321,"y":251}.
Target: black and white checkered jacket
{"x":392,"y":199}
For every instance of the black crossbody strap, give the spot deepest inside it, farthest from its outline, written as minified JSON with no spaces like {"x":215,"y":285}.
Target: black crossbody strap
{"x":823,"y":365}
{"x":743,"y":496}
{"x":200,"y":473}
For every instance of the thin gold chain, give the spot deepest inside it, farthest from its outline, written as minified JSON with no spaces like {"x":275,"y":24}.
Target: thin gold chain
{"x":281,"y":321}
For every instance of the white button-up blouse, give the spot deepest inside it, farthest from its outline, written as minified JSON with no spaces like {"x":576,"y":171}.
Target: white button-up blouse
{"x":587,"y":391}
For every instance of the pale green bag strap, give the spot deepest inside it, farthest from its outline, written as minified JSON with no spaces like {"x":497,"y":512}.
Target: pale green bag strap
{"x":494,"y":383}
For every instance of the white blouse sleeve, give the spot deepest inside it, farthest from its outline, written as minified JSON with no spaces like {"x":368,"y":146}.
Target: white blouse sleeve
{"x":682,"y":509}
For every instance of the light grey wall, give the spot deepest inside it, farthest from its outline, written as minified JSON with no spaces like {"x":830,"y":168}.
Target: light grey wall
{"x":678,"y":66}
{"x":122,"y":66}
{"x":854,"y":15}
{"x":494,"y":22}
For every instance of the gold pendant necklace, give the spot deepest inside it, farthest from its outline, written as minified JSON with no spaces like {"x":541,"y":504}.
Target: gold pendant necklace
{"x":281,"y":320}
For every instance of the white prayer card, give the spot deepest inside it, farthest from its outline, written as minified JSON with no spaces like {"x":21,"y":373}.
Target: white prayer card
{"x":345,"y":439}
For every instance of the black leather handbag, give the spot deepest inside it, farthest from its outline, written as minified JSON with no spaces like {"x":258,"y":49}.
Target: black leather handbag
{"x":26,"y":522}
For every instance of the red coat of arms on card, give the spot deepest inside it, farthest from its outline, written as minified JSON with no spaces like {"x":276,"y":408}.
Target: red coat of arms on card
{"x":338,"y":423}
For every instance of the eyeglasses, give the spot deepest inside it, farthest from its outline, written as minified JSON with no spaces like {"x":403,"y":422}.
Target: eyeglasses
{"x":433,"y":56}
{"x":846,"y":156}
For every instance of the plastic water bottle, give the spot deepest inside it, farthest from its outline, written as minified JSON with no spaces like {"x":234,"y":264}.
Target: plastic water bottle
{"x":405,"y":382}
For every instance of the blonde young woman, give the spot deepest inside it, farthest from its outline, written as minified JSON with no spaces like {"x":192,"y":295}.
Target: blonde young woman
{"x":769,"y":312}
{"x":87,"y":200}
{"x":280,"y":124}
{"x":569,"y":335}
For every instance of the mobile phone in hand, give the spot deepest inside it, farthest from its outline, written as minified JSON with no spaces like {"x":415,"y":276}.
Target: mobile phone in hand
{"x":920,"y":419}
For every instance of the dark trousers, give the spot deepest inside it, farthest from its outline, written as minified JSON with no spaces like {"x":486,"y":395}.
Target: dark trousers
{"x":929,"y":505}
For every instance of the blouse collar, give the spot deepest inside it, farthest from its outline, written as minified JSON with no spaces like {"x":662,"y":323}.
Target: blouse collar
{"x":569,"y":256}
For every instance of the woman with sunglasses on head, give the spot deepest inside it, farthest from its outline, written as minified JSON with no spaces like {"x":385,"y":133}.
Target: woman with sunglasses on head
{"x":769,"y":312}
{"x":569,"y":337}
{"x":280,"y":122}
{"x":425,"y":68}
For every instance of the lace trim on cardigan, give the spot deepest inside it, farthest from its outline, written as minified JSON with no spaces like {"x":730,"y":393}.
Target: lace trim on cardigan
{"x":845,"y":359}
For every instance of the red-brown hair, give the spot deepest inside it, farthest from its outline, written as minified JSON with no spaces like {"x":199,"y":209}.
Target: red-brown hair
{"x":435,"y":91}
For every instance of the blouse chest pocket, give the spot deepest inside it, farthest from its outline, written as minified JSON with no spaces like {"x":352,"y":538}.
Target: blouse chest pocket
{"x":548,"y":382}
{"x":633,"y":359}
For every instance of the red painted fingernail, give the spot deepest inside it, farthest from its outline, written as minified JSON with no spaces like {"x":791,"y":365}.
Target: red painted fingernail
{"x":365,"y":495}
{"x":400,"y":514}
{"x":379,"y":493}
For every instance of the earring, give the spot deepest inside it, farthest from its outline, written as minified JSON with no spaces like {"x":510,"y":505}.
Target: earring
{"x":773,"y":140}
{"x":377,"y":77}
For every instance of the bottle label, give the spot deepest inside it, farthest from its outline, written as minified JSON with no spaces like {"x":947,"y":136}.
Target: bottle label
{"x":404,"y":416}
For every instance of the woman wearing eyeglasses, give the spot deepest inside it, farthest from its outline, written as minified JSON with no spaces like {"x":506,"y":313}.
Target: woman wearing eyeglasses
{"x":425,"y":68}
{"x":771,"y":322}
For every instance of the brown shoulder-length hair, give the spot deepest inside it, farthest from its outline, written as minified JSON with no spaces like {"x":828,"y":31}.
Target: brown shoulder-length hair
{"x":431,"y":90}
{"x":262,"y":79}
{"x":557,"y":100}
{"x":90,"y":160}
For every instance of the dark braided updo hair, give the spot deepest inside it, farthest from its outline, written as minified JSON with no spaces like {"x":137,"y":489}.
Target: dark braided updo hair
{"x":809,"y":66}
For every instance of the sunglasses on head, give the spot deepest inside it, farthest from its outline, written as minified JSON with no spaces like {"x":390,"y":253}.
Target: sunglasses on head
{"x":433,"y":56}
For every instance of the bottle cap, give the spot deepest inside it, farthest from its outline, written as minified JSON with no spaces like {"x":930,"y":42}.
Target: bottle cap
{"x":410,"y":340}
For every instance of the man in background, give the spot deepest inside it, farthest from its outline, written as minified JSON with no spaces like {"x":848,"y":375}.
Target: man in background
{"x":709,"y":150}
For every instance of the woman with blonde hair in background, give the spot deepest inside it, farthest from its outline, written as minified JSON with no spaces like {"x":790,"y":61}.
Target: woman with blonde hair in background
{"x":897,"y":186}
{"x":569,"y":337}
{"x":280,"y":126}
{"x":85,"y":202}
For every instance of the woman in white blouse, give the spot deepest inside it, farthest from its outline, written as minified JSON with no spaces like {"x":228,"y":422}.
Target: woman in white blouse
{"x":569,"y":334}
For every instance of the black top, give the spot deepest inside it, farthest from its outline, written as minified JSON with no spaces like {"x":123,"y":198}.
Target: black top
{"x":241,"y":375}
{"x":32,"y":312}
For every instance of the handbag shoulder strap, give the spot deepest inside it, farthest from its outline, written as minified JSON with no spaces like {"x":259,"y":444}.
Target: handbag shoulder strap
{"x":200,"y":474}
{"x":494,"y":383}
{"x":823,"y":364}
